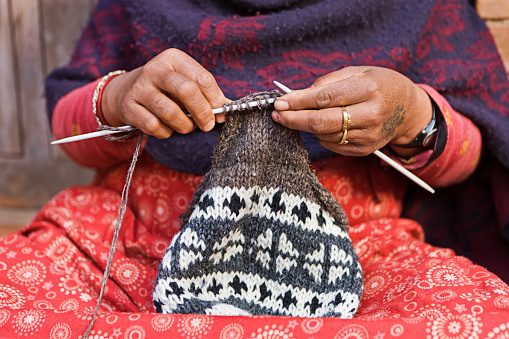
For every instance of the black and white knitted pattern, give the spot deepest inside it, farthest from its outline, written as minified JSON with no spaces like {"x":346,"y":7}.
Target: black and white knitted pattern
{"x":262,"y":236}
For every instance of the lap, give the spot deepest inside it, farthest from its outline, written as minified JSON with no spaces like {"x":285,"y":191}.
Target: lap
{"x":51,"y":271}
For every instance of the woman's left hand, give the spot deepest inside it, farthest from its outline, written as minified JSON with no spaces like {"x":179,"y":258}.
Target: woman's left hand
{"x":384,"y":105}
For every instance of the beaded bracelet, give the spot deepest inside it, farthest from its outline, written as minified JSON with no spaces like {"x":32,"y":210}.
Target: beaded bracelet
{"x":128,"y":132}
{"x":98,"y":90}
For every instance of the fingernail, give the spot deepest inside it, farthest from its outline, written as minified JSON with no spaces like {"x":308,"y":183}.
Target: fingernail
{"x":281,"y":105}
{"x":276,"y":116}
{"x":209,"y":125}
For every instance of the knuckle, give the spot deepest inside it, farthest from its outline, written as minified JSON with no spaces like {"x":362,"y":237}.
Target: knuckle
{"x":184,"y":130}
{"x":163,"y":105}
{"x":323,"y":98}
{"x":317,"y":123}
{"x":349,"y":69}
{"x":180,"y":125}
{"x":373,"y":87}
{"x":148,"y":70}
{"x":205,"y":79}
{"x":151,"y":125}
{"x":184,"y":87}
{"x":171,"y":53}
{"x":170,"y":56}
{"x":202,"y":116}
{"x":320,"y":81}
{"x":218,"y":101}
{"x":164,"y":135}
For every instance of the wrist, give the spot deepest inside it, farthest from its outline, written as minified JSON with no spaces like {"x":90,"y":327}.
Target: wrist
{"x":419,"y":137}
{"x":107,"y":101}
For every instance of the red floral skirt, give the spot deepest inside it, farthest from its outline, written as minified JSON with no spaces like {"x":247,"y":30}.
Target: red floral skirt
{"x":51,"y":271}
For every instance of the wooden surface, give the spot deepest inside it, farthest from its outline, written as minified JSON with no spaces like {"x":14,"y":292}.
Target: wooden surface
{"x":10,"y":124}
{"x":496,"y":15}
{"x":35,"y":37}
{"x":500,"y":32}
{"x":493,"y":9}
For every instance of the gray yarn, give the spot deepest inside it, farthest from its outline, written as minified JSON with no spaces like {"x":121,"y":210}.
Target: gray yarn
{"x":262,"y":236}
{"x":118,"y":225}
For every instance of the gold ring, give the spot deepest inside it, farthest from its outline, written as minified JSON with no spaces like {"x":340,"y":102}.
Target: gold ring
{"x":347,"y":121}
{"x":343,"y":139}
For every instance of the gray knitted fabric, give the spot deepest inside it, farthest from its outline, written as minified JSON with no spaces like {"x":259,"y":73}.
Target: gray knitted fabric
{"x":262,"y":236}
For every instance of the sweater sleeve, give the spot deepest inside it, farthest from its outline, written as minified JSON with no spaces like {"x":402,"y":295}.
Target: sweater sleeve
{"x":103,"y":46}
{"x":459,"y":155}
{"x":72,"y":116}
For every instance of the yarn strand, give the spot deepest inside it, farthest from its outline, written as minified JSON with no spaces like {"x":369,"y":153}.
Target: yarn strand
{"x":118,"y":225}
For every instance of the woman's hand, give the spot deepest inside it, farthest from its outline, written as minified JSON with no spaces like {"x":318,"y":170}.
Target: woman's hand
{"x":385,"y":107}
{"x":153,"y":96}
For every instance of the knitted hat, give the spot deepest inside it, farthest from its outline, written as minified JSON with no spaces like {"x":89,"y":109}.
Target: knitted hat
{"x":262,"y":236}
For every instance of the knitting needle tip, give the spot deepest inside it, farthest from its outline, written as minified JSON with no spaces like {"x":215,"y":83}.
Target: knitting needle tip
{"x":404,"y":171}
{"x":282,"y":87}
{"x":88,"y":136}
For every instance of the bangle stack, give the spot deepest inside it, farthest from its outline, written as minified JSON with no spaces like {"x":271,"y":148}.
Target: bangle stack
{"x":99,"y":89}
{"x":128,"y":132}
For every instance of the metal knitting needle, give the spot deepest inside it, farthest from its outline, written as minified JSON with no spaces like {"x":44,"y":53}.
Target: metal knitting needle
{"x":90,"y":135}
{"x":124,"y":128}
{"x":382,"y":156}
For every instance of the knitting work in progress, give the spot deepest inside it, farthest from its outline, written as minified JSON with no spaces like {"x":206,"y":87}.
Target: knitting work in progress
{"x":262,"y":236}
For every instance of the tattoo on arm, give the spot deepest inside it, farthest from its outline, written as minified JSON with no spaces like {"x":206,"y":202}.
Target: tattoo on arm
{"x":389,"y":127}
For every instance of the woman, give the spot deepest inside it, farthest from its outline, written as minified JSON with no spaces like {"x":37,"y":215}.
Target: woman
{"x":390,"y":70}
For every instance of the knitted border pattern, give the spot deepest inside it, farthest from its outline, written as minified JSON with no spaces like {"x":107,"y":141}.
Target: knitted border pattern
{"x":262,"y":236}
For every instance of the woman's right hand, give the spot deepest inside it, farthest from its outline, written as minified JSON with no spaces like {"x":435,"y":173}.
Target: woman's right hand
{"x":152,"y":97}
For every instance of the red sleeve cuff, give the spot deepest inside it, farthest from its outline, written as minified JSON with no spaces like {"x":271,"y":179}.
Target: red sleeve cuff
{"x":73,"y":115}
{"x":461,"y":153}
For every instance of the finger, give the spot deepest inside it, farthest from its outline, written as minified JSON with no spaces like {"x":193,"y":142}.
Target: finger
{"x":147,"y":122}
{"x":360,"y":141}
{"x":220,"y":118}
{"x":361,"y":125}
{"x":341,"y":74}
{"x":352,"y":148}
{"x":353,"y":137}
{"x":331,"y":137}
{"x":169,"y":112}
{"x":348,"y":149}
{"x":184,"y":64}
{"x":187,"y":92}
{"x":329,"y":120}
{"x":345,"y":92}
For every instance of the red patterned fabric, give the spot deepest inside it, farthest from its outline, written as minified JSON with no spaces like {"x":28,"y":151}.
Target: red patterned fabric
{"x":445,"y":45}
{"x":51,"y":271}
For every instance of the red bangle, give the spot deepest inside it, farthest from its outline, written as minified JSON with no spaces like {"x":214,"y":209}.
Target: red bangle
{"x":98,"y":95}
